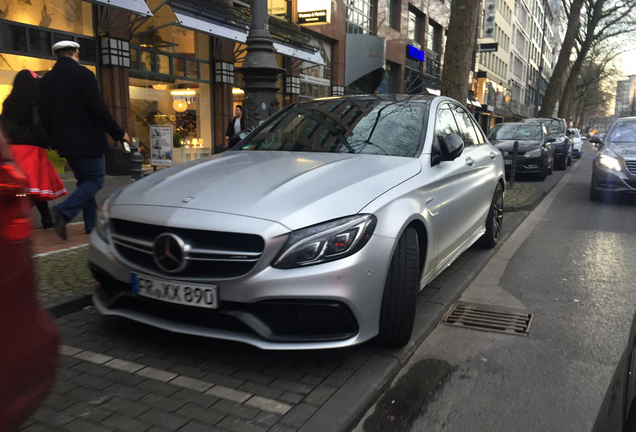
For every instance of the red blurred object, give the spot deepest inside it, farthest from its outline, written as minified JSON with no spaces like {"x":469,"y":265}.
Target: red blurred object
{"x":28,"y":334}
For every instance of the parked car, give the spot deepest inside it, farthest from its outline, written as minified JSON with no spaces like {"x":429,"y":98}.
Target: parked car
{"x":597,"y":139}
{"x":28,"y":335}
{"x":614,"y":165}
{"x":557,"y":129}
{"x":617,"y":412}
{"x":315,"y":231}
{"x":535,"y":153}
{"x":577,"y":142}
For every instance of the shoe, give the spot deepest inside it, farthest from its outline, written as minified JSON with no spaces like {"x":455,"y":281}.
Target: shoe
{"x":45,"y":214}
{"x":59,"y":222}
{"x":47,"y":222}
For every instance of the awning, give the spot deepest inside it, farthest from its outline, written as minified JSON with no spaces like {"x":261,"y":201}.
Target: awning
{"x":473,"y":101}
{"x":191,"y":14}
{"x":237,"y":34}
{"x":365,"y":54}
{"x":137,"y":7}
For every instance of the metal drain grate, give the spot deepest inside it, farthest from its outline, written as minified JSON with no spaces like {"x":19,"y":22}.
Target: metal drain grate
{"x":490,"y":318}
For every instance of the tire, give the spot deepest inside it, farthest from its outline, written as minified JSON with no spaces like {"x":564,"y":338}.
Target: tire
{"x":400,"y":290}
{"x":543,"y":174}
{"x":494,"y":220}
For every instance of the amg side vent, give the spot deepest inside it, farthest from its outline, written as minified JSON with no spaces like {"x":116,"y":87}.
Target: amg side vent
{"x":489,"y":318}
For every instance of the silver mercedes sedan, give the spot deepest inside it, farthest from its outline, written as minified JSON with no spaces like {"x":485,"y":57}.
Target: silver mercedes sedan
{"x":317,"y":230}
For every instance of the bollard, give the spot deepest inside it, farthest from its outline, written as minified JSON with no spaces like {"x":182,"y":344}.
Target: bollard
{"x":513,"y":167}
{"x":135,"y":165}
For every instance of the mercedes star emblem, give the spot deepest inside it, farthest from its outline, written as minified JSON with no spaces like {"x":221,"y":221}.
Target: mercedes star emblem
{"x":169,"y":253}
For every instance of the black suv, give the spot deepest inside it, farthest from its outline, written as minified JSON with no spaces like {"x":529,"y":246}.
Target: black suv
{"x":557,"y":129}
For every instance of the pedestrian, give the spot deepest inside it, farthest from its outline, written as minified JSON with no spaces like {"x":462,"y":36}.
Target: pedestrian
{"x":235,"y":126}
{"x":74,"y":113}
{"x":28,"y":143}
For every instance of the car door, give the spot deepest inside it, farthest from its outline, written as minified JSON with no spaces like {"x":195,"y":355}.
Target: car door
{"x":459,"y":202}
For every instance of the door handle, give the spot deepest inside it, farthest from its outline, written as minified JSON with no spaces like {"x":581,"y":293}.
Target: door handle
{"x":470,"y":161}
{"x":493,"y":155}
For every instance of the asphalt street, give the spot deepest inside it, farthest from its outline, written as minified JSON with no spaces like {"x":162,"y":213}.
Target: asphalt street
{"x":570,"y":265}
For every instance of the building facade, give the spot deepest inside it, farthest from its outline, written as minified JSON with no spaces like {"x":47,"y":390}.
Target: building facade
{"x":492,"y":88}
{"x":169,"y":70}
{"x":625,"y":104}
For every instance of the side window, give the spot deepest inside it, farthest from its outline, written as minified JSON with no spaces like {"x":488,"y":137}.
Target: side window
{"x":466,"y":127}
{"x":445,"y":122}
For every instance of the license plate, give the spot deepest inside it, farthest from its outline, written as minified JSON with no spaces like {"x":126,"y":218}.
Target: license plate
{"x":175,"y":292}
{"x":507,"y":161}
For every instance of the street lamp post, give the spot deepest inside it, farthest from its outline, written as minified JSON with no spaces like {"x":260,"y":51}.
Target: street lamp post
{"x":260,"y":70}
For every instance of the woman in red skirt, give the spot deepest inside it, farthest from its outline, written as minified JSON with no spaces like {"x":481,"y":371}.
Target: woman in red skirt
{"x":21,"y":124}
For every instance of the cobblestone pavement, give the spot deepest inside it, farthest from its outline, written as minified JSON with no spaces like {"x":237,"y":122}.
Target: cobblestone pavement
{"x":63,"y":272}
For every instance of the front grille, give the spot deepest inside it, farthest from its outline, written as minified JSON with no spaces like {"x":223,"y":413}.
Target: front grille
{"x":211,"y":255}
{"x":631,"y":166}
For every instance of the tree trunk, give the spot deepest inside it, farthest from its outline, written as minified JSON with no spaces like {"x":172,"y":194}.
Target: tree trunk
{"x":459,"y":48}
{"x":572,"y":81}
{"x":560,"y":72}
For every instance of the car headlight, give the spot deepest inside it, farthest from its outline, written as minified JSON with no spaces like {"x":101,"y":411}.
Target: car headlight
{"x":103,"y":214}
{"x":534,"y":153}
{"x":326,"y":242}
{"x":610,"y":162}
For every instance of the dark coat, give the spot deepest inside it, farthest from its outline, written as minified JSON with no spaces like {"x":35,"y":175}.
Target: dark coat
{"x":73,"y":111}
{"x":25,"y":128}
{"x":229,"y":132}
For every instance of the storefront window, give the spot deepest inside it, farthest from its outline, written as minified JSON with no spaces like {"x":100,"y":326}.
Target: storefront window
{"x":315,"y":80}
{"x":170,"y":91}
{"x":74,"y":16}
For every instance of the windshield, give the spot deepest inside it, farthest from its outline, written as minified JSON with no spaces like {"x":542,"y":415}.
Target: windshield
{"x":371,"y":126}
{"x":516,"y":132}
{"x":622,"y":133}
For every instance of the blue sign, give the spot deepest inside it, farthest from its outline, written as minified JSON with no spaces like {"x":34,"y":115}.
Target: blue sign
{"x":415,"y":53}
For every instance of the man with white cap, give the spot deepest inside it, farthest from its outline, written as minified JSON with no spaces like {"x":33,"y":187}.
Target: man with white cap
{"x":75,"y":114}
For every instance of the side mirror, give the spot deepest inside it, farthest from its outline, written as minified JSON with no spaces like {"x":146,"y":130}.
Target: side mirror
{"x":549,"y":140}
{"x":450,"y":146}
{"x":238,"y":137}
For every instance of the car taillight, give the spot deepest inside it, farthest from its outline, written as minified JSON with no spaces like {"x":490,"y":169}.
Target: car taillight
{"x":15,"y":204}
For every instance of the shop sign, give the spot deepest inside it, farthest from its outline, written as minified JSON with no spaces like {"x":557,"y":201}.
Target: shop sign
{"x":277,"y":7}
{"x":313,"y":12}
{"x":489,"y":47}
{"x":161,"y":145}
{"x":416,"y":53}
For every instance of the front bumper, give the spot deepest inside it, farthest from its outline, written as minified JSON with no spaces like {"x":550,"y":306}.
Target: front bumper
{"x":609,"y":181}
{"x":524,"y":165}
{"x":328,"y":305}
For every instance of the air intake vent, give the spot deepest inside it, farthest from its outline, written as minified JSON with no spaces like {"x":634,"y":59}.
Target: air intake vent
{"x":490,"y":318}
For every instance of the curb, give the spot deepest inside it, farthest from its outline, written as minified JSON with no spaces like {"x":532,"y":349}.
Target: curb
{"x":530,"y":204}
{"x":69,"y":303}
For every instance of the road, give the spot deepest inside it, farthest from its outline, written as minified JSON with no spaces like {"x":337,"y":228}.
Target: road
{"x":571,"y":264}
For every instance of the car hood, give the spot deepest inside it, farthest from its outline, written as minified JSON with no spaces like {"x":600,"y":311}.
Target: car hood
{"x":524,"y":146}
{"x":627,"y":151}
{"x":294,"y":189}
